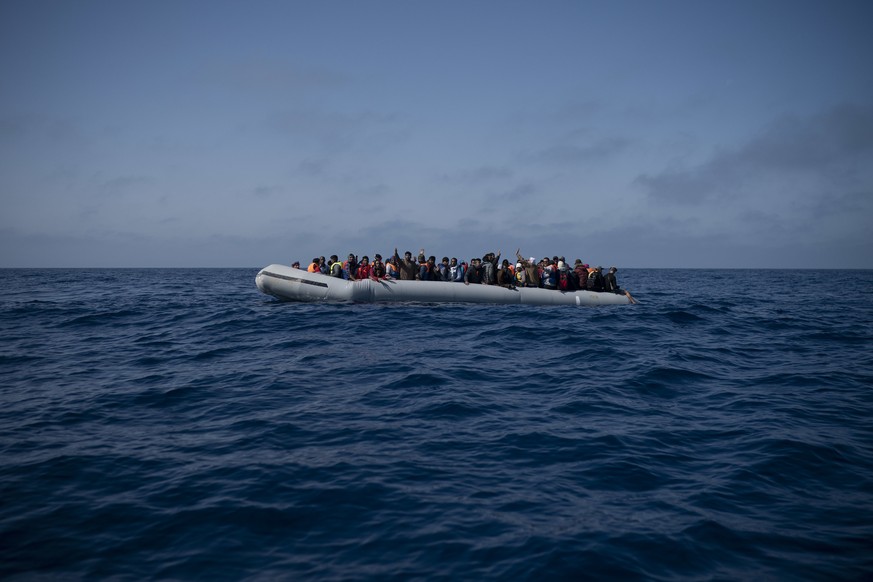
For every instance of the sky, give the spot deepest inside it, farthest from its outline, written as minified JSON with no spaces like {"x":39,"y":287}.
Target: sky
{"x":637,"y":133}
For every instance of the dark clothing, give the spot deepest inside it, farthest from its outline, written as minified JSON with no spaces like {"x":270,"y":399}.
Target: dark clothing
{"x":427,"y":272}
{"x":610,"y":283}
{"x":595,"y":281}
{"x":566,"y":280}
{"x":489,"y":270}
{"x":505,"y":278}
{"x":581,"y":277}
{"x":474,"y":274}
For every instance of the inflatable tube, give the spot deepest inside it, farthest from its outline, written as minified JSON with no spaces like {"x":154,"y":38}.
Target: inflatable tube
{"x":297,"y":285}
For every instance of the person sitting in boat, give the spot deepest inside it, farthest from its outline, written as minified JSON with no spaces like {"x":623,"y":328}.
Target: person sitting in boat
{"x":407,"y":266}
{"x":490,"y":261}
{"x":420,"y":262}
{"x":456,"y":271}
{"x":295,"y":265}
{"x":334,"y":267}
{"x":566,"y":280}
{"x":505,"y":278}
{"x":350,"y":268}
{"x":443,"y":270}
{"x":611,"y":284}
{"x":427,"y":270}
{"x":377,"y":271}
{"x":549,"y":275}
{"x":314,"y":266}
{"x":519,"y":274}
{"x":391,"y":271}
{"x":581,"y":271}
{"x":474,"y":272}
{"x":364,"y":269}
{"x":531,"y":276}
{"x":595,"y":280}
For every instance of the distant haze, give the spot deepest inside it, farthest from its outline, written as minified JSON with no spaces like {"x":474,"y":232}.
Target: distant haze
{"x":634,"y":133}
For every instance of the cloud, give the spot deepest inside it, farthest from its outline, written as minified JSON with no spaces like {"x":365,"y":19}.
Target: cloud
{"x":272,"y":76}
{"x":477,"y":175}
{"x":334,"y":132}
{"x":575,"y":153}
{"x":823,"y":155}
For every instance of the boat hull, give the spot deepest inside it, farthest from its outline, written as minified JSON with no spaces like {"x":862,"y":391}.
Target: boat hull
{"x":291,"y":284}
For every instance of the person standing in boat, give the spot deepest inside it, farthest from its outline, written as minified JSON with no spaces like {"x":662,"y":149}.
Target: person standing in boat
{"x":314,"y":266}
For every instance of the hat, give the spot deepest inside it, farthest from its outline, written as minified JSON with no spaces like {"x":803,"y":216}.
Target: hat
{"x":561,"y":265}
{"x":518,"y":265}
{"x":578,"y":262}
{"x":584,"y":265}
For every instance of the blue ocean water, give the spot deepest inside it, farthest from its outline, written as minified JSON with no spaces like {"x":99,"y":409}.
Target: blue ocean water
{"x":175,"y":423}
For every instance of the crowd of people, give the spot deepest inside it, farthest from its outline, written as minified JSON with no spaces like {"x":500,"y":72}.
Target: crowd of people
{"x":547,"y":273}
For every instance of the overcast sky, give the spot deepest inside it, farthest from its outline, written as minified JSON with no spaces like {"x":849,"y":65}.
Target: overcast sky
{"x":637,"y":133}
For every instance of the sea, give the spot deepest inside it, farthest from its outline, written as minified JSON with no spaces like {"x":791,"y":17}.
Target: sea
{"x":176,"y":424}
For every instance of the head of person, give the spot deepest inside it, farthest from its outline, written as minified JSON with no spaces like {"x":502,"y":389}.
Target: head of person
{"x":613,"y":269}
{"x":352,"y":257}
{"x":334,"y":258}
{"x":321,"y":260}
{"x":454,"y":261}
{"x":295,"y":265}
{"x":407,"y":255}
{"x":365,"y":259}
{"x":377,"y":257}
{"x":445,"y":261}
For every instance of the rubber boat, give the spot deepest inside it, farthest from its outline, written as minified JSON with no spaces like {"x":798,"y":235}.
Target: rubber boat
{"x":291,"y":284}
